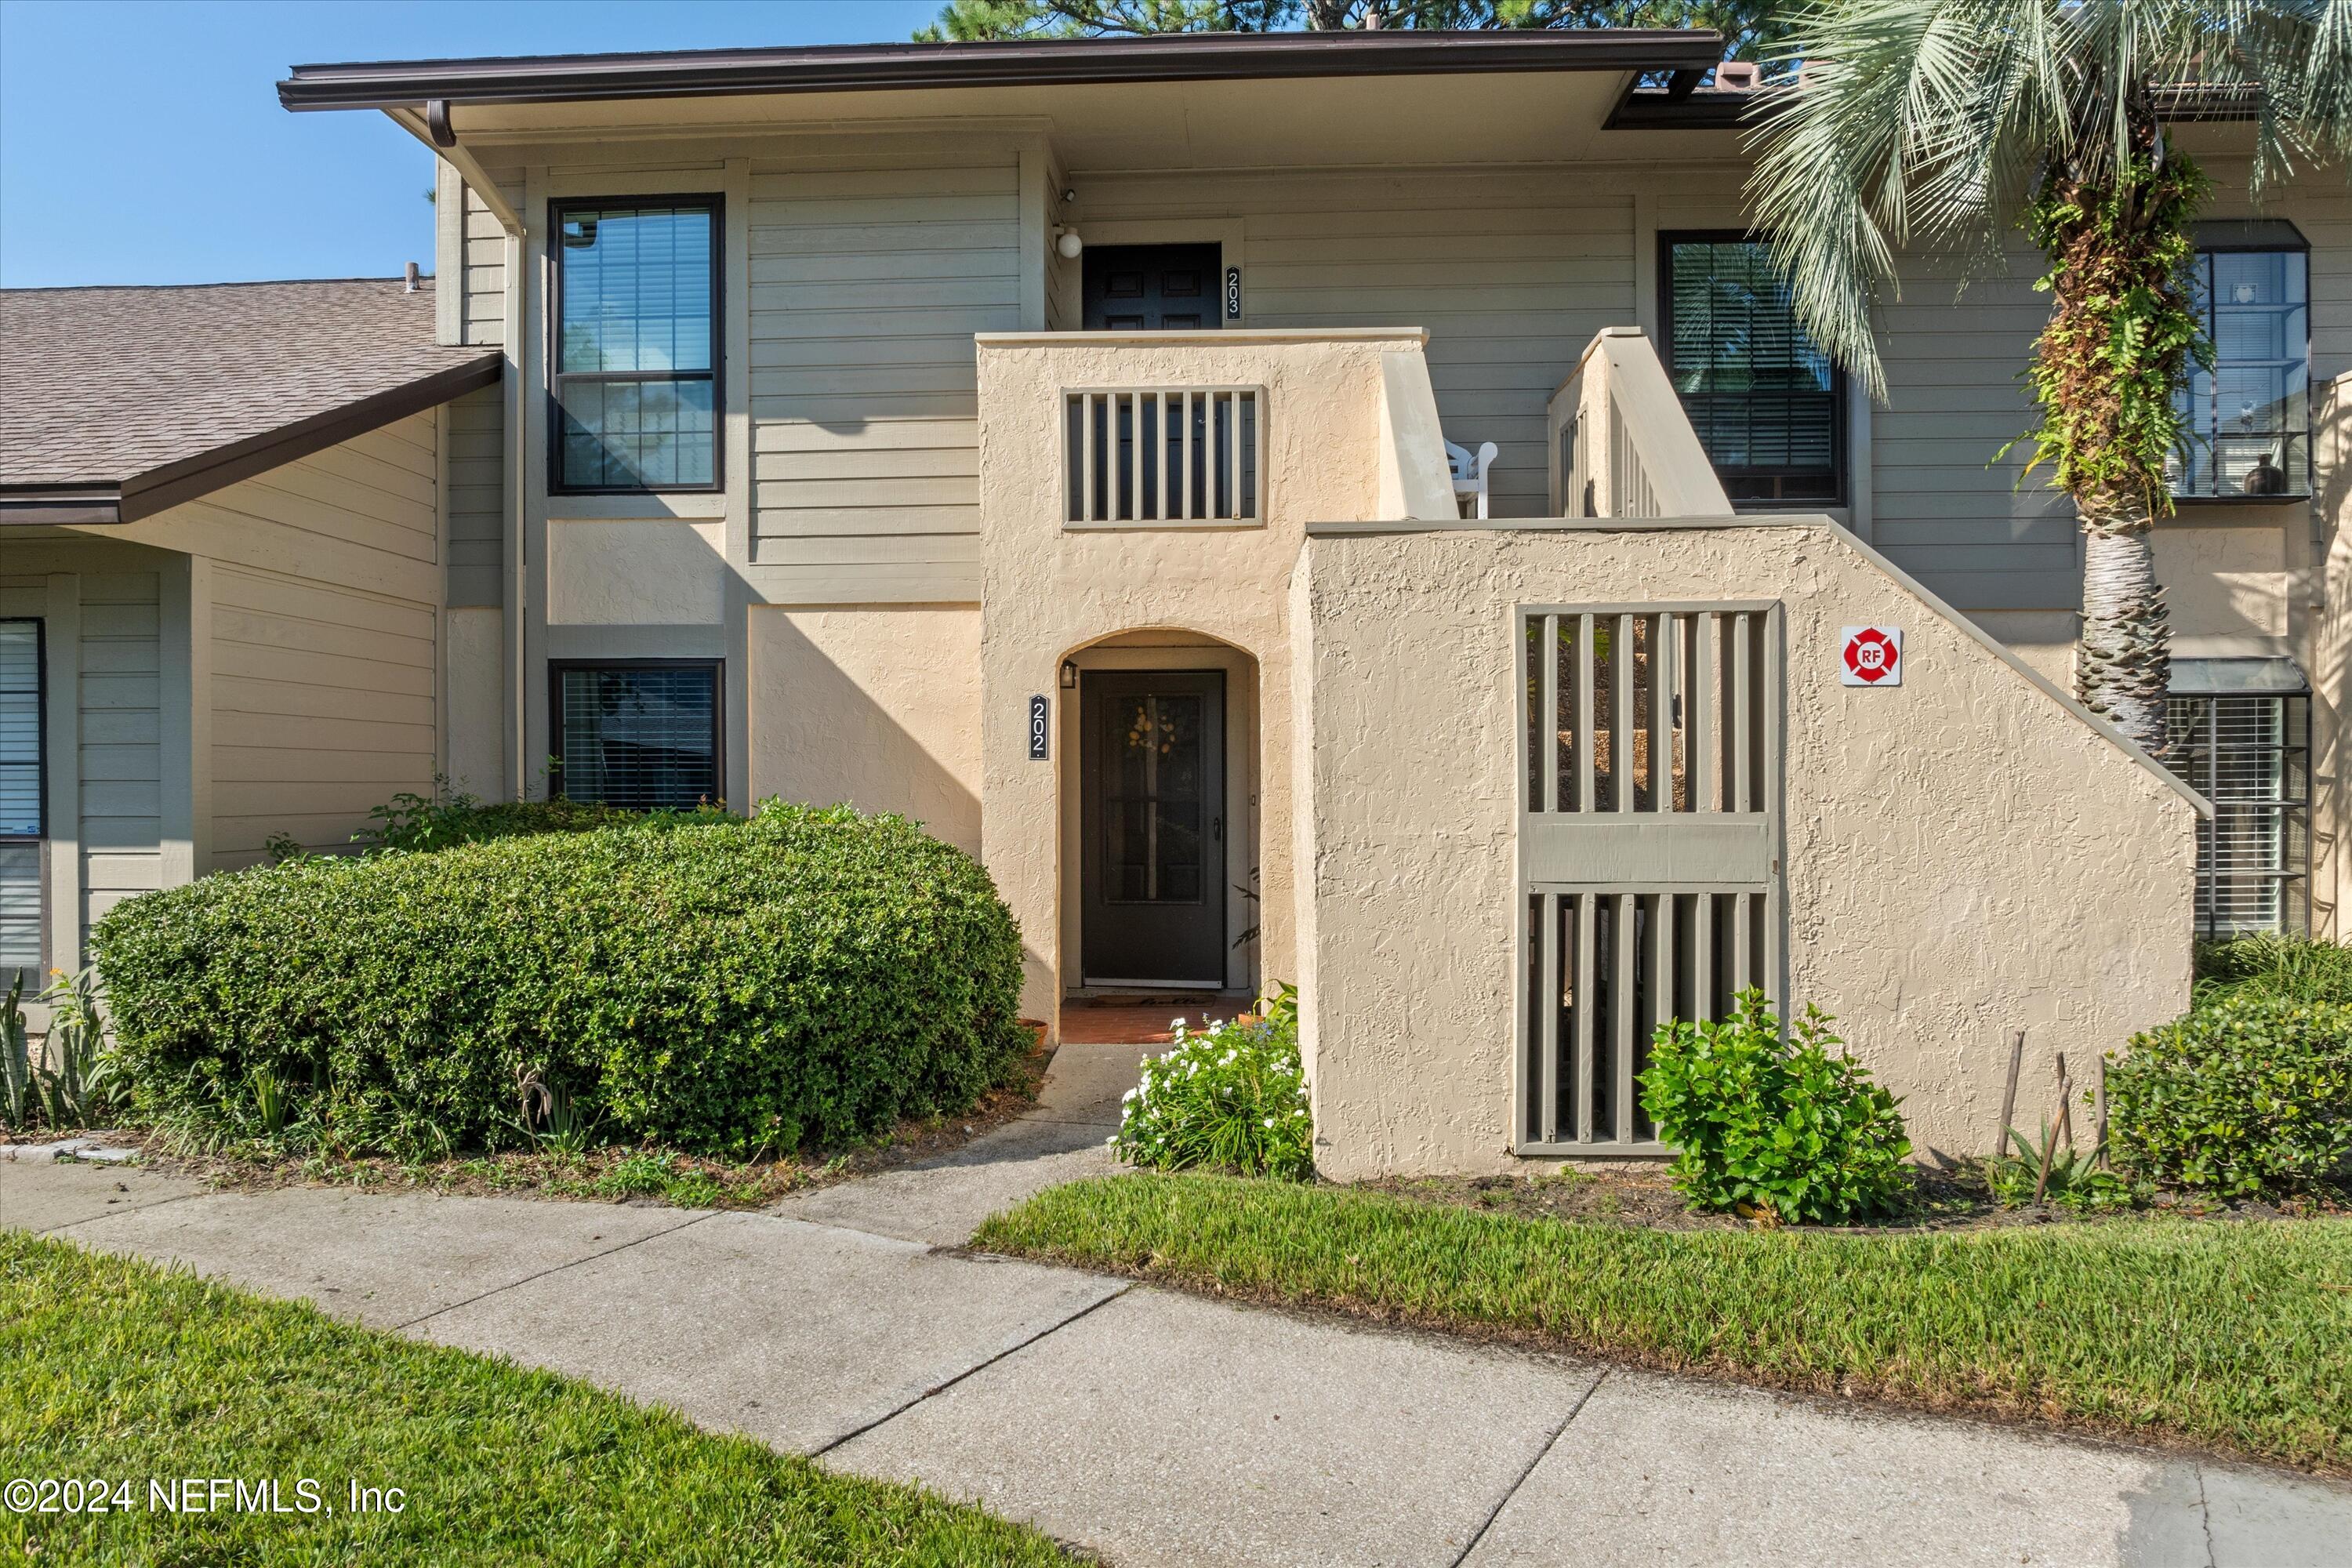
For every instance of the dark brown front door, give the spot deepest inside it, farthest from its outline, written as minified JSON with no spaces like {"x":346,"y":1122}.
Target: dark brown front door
{"x":1151,"y":288}
{"x":1152,"y":812}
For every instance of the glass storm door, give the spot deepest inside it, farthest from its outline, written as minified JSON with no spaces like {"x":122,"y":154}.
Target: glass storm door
{"x":1152,"y":828}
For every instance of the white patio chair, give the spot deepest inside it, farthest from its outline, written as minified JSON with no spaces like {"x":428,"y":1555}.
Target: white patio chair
{"x":1470,"y":472}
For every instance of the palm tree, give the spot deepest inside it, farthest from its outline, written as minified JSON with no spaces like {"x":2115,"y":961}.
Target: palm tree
{"x":1944,"y":121}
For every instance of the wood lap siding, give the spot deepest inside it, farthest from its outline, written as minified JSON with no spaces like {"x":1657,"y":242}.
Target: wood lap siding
{"x":484,"y":314}
{"x":322,"y":623}
{"x":1512,"y":271}
{"x":121,"y":739}
{"x":867,"y":281}
{"x":1942,"y":507}
{"x":477,"y":500}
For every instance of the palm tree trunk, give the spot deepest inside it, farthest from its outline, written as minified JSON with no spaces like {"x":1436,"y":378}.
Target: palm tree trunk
{"x":2125,"y":661}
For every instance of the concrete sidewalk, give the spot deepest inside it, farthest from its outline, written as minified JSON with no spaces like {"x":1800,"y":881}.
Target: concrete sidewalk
{"x":1156,"y":1428}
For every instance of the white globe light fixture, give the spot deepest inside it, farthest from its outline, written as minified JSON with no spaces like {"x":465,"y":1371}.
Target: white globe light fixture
{"x":1069,"y":244}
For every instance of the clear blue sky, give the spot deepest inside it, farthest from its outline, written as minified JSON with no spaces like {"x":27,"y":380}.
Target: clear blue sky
{"x":143,"y":144}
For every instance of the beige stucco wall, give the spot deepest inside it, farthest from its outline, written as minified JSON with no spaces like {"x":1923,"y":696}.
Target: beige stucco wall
{"x":1051,"y":591}
{"x":877,"y":706}
{"x":1965,"y":854}
{"x":2222,"y":580}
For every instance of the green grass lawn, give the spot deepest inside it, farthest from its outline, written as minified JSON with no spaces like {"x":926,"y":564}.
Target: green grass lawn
{"x":2228,"y":1336}
{"x":117,"y":1370}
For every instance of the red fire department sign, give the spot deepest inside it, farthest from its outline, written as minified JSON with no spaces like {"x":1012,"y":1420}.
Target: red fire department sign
{"x":1873,"y":657}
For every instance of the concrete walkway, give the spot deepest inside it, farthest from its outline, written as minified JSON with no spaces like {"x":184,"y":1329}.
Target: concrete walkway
{"x":1156,"y":1428}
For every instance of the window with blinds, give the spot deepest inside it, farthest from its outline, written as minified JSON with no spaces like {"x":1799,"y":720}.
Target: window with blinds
{"x":2251,"y":756}
{"x":21,"y":792}
{"x":637,"y":361}
{"x":644,"y":736}
{"x":1766,"y":403}
{"x":2248,"y":419}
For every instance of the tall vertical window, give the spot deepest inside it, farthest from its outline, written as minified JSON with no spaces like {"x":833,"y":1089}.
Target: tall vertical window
{"x":2249,"y":752}
{"x":20,"y":803}
{"x":637,"y":354}
{"x":1767,"y":402}
{"x":637,"y":735}
{"x":2249,"y":417}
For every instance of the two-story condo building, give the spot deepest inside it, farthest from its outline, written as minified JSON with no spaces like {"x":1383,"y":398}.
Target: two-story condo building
{"x":1083,"y":446}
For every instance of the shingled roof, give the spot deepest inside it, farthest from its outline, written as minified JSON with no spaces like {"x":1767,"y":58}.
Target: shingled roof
{"x":118,"y":402}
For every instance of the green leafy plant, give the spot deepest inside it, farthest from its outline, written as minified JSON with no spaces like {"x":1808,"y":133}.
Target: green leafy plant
{"x":1232,"y":1097}
{"x":2060,"y":1174}
{"x":71,"y":1081}
{"x":16,"y":1096}
{"x":640,"y":1176}
{"x":556,"y":1120}
{"x":1798,"y":1132}
{"x":269,"y":1106}
{"x":2246,"y":1096}
{"x":720,"y":986}
{"x":2291,"y":968}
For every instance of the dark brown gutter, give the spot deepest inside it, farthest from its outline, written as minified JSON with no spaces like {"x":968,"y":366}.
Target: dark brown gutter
{"x":159,"y":489}
{"x":849,"y":67}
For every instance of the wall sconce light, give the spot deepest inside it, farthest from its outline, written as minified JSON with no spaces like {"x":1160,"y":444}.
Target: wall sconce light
{"x":1069,"y":675}
{"x":1069,"y":243}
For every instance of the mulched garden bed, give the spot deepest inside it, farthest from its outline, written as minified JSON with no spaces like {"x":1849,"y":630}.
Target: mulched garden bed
{"x":1950,"y":1199}
{"x":616,"y":1173}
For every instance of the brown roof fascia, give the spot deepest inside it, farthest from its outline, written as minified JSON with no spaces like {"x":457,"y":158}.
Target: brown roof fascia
{"x":158,"y":489}
{"x":850,"y":68}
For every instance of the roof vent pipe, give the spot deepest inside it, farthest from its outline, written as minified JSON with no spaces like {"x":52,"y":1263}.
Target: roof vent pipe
{"x":408,"y":285}
{"x":1737,"y":76}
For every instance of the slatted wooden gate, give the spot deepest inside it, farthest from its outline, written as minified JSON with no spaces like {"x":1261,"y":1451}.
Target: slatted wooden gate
{"x":1649,"y":849}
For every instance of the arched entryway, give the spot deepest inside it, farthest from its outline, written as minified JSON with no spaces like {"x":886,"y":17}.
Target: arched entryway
{"x":1160,"y":819}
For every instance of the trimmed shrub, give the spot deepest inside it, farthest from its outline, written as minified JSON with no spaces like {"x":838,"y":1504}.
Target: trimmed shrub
{"x":1231,"y":1098}
{"x":724,"y":987}
{"x":1802,"y":1133}
{"x":2248,"y":1096}
{"x":2291,"y":968}
{"x":443,"y":821}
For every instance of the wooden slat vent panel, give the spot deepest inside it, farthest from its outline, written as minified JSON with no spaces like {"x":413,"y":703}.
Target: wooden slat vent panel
{"x":1163,"y":455}
{"x":1649,"y":849}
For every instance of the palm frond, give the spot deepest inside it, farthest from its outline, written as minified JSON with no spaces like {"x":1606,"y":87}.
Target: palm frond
{"x":1924,"y":124}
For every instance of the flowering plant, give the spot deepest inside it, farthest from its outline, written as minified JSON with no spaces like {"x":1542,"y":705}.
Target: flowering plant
{"x":1232,"y":1097}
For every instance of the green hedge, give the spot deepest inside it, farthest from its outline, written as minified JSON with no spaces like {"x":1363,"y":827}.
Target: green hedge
{"x":2241,"y":1097}
{"x":443,"y":821}
{"x":2291,"y":968}
{"x":804,"y":975}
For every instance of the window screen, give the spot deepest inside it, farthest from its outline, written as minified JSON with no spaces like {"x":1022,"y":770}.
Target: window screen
{"x":2251,"y":756}
{"x":636,"y":389}
{"x":1765,"y":401}
{"x":637,"y":735}
{"x":2249,"y":417}
{"x":20,"y":801}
